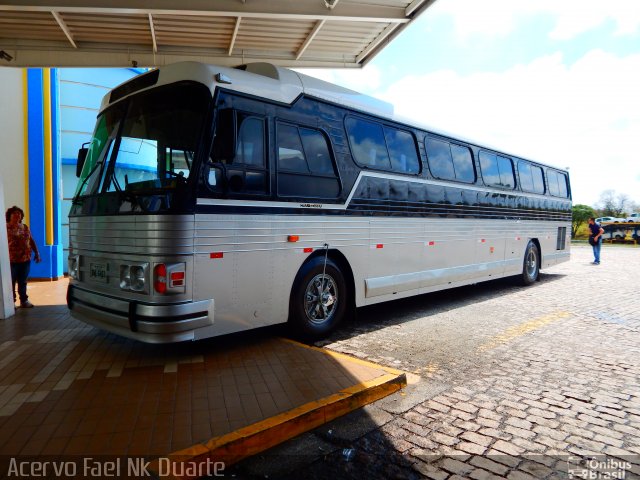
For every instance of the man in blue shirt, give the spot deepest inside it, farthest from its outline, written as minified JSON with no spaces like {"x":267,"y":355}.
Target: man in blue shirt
{"x":595,"y":239}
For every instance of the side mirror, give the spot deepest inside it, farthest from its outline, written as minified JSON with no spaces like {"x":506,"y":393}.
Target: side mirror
{"x":224,"y":144}
{"x":82,"y":156}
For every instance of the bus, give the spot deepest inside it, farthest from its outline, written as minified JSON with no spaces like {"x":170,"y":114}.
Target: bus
{"x":214,"y":200}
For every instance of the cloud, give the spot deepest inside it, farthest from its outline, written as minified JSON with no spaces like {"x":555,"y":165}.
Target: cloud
{"x":570,"y":17}
{"x":585,"y":116}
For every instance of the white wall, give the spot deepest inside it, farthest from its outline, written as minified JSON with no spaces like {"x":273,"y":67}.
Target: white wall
{"x":12,"y":137}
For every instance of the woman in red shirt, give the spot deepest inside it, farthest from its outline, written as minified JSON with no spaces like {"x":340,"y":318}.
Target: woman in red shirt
{"x":21,"y":245}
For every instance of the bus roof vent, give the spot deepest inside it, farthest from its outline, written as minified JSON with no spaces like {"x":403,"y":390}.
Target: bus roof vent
{"x":261,"y":68}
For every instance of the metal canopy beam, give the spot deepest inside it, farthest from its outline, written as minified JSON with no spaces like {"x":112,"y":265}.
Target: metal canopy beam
{"x":277,"y":9}
{"x":64,"y":28}
{"x":324,"y":33}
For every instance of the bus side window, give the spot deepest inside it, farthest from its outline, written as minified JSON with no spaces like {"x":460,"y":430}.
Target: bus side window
{"x":238,"y":154}
{"x":463,"y":163}
{"x":553,"y":183}
{"x":439,"y":158}
{"x":402,"y":150}
{"x":507,"y":178}
{"x":526,"y":178}
{"x":250,"y":145}
{"x":367,"y":143}
{"x":531,"y":178}
{"x":305,"y":166}
{"x":557,"y":184}
{"x":489,"y":169}
{"x":563,"y":184}
{"x":497,"y":171}
{"x":538,"y":179}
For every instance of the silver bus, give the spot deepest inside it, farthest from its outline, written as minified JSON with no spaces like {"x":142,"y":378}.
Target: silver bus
{"x":213,"y":200}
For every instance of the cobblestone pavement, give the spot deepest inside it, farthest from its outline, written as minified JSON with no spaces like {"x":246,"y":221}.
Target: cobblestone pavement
{"x":506,"y":382}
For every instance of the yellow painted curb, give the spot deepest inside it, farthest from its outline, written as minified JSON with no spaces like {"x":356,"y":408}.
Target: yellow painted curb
{"x":230,"y":448}
{"x":344,"y":357}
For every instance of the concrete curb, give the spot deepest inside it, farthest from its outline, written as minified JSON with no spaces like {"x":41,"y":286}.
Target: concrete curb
{"x":201,"y":459}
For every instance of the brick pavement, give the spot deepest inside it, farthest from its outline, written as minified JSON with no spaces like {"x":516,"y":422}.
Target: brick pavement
{"x":557,"y":384}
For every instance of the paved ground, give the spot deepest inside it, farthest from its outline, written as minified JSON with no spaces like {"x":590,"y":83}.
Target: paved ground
{"x":509,"y":382}
{"x":71,"y":392}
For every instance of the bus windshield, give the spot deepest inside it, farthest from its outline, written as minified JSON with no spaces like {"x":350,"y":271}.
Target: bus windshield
{"x":145,"y":145}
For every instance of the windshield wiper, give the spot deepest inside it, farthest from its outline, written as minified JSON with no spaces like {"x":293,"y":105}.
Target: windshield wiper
{"x":89,"y":175}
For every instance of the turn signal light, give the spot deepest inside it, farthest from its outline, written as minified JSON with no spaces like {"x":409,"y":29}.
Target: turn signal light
{"x":160,"y":278}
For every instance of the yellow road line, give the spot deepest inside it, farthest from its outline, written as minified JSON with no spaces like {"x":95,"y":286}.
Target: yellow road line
{"x":522,"y":329}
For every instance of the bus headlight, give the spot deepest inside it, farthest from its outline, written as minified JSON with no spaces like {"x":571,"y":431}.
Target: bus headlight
{"x":137,"y":278}
{"x":134,"y":277}
{"x":73,"y":266}
{"x":125,"y":278}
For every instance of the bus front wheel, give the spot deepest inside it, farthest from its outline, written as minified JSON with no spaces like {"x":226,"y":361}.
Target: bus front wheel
{"x":318,"y":298}
{"x":530,"y":265}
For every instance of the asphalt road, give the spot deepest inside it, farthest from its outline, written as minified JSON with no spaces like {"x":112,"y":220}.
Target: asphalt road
{"x":504,"y":382}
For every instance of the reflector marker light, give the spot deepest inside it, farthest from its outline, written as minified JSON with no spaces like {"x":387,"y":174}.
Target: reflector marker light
{"x":379,"y":245}
{"x":308,"y":250}
{"x":177,"y":279}
{"x":431,"y":244}
{"x":293,"y":238}
{"x":216,"y":255}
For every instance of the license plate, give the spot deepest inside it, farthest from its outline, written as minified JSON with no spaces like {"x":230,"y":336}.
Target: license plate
{"x":98,"y":272}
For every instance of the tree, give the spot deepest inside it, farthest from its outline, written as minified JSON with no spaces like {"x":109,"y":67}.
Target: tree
{"x":613,"y":204}
{"x":579,"y":215}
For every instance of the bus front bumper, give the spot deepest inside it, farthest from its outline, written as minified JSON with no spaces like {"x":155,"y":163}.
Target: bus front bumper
{"x":149,"y":323}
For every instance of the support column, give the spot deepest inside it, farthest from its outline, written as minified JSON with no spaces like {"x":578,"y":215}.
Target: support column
{"x":44,"y":159}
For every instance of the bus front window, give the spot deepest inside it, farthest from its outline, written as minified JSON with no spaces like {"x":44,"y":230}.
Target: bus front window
{"x":145,"y":145}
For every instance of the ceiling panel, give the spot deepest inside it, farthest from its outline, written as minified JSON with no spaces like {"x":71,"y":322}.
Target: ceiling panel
{"x":304,"y":33}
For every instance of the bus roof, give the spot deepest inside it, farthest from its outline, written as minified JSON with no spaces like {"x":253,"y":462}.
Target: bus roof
{"x":267,"y":81}
{"x":284,"y":85}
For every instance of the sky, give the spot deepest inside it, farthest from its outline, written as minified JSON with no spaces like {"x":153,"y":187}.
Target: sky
{"x":549,"y":80}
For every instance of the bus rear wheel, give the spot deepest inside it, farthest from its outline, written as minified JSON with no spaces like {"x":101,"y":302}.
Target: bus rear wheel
{"x":318,"y":298}
{"x":530,"y":265}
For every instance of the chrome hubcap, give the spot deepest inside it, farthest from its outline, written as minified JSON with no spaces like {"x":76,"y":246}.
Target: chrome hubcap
{"x":531,"y":263}
{"x":321,"y":298}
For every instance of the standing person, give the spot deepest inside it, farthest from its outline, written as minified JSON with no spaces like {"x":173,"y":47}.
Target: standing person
{"x":21,"y":245}
{"x":595,"y":239}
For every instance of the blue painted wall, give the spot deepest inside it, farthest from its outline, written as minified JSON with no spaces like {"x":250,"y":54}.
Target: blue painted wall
{"x":76,"y":95}
{"x":36,"y":150}
{"x":80,"y":95}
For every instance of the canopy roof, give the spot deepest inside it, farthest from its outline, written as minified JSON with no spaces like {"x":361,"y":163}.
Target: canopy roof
{"x":144,"y":33}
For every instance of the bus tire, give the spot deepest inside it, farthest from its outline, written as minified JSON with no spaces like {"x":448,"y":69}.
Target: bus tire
{"x":318,"y":304}
{"x":531,"y":264}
